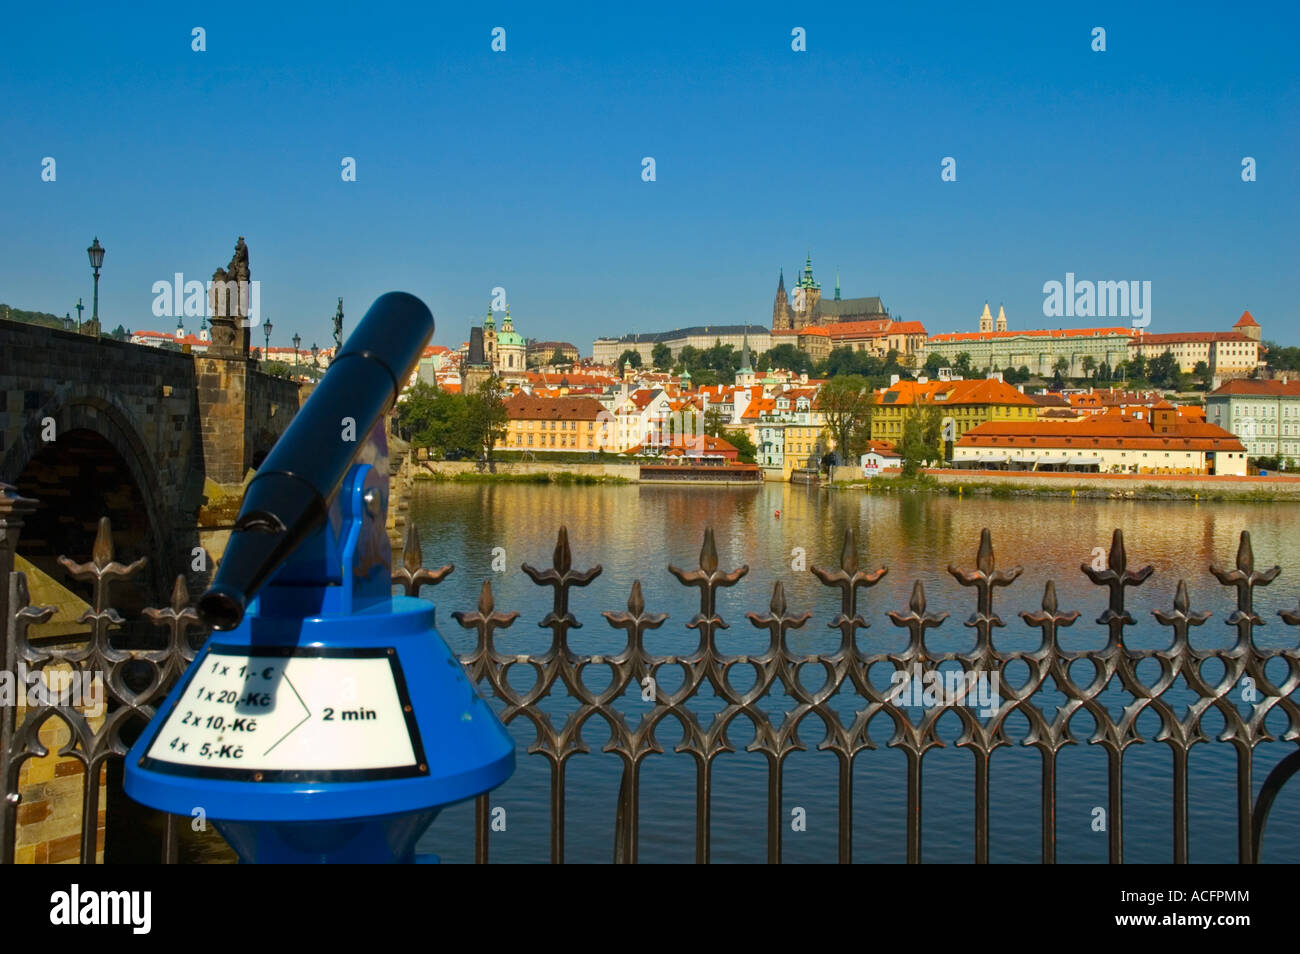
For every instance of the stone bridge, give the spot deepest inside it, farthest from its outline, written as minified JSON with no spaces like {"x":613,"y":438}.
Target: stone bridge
{"x":92,"y":426}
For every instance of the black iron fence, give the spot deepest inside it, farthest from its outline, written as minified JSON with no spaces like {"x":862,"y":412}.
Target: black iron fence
{"x":138,"y":679}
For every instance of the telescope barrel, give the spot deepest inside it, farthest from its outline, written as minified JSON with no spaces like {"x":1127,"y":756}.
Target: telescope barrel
{"x":290,"y":497}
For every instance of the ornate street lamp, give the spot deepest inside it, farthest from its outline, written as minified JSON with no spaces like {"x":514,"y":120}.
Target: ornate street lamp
{"x":297,"y":343}
{"x":266,"y":331}
{"x":314,"y":352}
{"x":96,"y":253}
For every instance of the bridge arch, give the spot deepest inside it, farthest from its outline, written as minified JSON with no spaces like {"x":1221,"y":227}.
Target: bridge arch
{"x":98,"y":464}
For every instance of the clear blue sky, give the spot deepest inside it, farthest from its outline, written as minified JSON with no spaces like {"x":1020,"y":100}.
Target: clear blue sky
{"x":523,"y":169}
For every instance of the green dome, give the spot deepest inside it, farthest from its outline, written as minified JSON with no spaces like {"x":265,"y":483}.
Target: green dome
{"x":509,"y":338}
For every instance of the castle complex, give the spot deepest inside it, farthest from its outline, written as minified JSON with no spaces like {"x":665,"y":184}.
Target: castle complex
{"x":1226,"y":354}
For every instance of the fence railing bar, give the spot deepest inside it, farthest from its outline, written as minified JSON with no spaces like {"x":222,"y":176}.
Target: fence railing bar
{"x":707,"y":674}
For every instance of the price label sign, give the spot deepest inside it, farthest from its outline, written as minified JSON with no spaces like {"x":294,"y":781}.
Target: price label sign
{"x":295,"y":714}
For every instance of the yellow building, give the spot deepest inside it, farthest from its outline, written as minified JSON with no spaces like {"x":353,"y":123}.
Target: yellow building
{"x":545,"y":424}
{"x":805,"y":445}
{"x":967,"y":403}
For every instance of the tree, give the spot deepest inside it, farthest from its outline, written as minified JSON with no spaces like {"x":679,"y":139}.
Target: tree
{"x":629,"y":357}
{"x":557,"y":357}
{"x":1280,"y":358}
{"x":846,"y":402}
{"x":1089,"y":365}
{"x":922,"y":429}
{"x":715,"y":420}
{"x":1059,"y":368}
{"x":1162,"y":370}
{"x":740,"y":440}
{"x":435,"y":419}
{"x":1137,"y":368}
{"x":845,"y":360}
{"x":661,"y":356}
{"x":722,"y":358}
{"x":1202,"y":373}
{"x":486,"y":417}
{"x":933,"y":362}
{"x":786,"y":356}
{"x":962,"y":364}
{"x":1104,"y":371}
{"x":691,"y":358}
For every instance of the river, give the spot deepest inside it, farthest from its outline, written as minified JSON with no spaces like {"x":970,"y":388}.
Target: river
{"x":635,"y":531}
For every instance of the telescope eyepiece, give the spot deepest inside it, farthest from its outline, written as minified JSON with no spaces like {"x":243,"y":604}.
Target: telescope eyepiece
{"x":222,"y":607}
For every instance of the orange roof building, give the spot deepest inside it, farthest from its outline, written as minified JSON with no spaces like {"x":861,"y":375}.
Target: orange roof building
{"x":1160,"y":441}
{"x":962,"y":405}
{"x":535,"y":423}
{"x":1264,"y":414}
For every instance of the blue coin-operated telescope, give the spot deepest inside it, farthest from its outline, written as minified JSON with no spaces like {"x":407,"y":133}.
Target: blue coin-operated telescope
{"x":326,"y":720}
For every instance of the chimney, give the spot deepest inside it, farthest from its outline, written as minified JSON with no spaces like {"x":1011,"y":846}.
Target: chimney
{"x":893,"y":379}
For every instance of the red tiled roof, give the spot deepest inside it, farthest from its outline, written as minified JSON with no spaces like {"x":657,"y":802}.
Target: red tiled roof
{"x":875,"y":328}
{"x":1247,"y":320}
{"x":1192,"y":337}
{"x":1034,"y":333}
{"x":1245,"y":386}
{"x":682,"y":443}
{"x":528,"y":407}
{"x":1108,"y":431}
{"x":976,"y":391}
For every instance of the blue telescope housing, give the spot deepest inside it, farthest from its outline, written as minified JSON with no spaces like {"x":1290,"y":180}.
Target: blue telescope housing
{"x":325,"y":720}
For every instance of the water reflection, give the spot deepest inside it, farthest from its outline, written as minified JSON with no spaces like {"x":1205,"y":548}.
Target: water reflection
{"x":635,"y":532}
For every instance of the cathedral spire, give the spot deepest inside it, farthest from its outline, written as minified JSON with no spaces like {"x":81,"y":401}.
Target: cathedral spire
{"x":781,"y":307}
{"x":837,"y":284}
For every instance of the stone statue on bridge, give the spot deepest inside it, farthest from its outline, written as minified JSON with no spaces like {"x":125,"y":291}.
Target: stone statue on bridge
{"x":228,"y":304}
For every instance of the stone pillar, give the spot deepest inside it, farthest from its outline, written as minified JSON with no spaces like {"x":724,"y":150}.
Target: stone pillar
{"x":223,"y":408}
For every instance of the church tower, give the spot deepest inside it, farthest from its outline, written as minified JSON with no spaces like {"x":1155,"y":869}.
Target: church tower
{"x":1002,"y":319}
{"x":490,"y":340}
{"x":807,"y":294}
{"x":781,"y":309}
{"x":986,"y":320}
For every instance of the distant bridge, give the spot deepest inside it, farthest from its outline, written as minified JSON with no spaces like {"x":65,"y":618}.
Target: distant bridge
{"x":91,"y":426}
